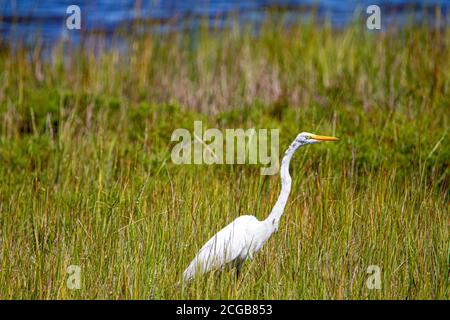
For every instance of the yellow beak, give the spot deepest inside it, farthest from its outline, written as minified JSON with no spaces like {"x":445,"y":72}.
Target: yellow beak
{"x":323,"y":138}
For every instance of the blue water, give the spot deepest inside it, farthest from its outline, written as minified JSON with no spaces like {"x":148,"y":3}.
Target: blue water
{"x":26,"y":20}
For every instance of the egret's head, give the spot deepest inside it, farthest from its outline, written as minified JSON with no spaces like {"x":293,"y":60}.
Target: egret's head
{"x":310,"y":138}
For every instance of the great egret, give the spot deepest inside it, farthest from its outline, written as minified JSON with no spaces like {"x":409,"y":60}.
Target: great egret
{"x":246,"y":235}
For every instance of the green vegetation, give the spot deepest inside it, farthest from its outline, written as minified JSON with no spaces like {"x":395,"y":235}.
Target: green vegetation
{"x":86,"y":176}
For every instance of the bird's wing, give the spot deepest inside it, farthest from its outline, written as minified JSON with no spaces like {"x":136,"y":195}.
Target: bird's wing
{"x":225,"y":246}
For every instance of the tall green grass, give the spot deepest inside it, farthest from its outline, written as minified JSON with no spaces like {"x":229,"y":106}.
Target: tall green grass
{"x":86,"y":176}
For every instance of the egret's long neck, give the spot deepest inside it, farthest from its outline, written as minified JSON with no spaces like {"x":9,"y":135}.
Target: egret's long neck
{"x":274,"y":218}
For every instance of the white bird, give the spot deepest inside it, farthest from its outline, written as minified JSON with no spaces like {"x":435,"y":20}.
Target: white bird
{"x":246,"y":235}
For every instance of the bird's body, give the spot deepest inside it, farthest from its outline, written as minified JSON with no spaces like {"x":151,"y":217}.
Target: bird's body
{"x":232,"y":245}
{"x":246,"y":235}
